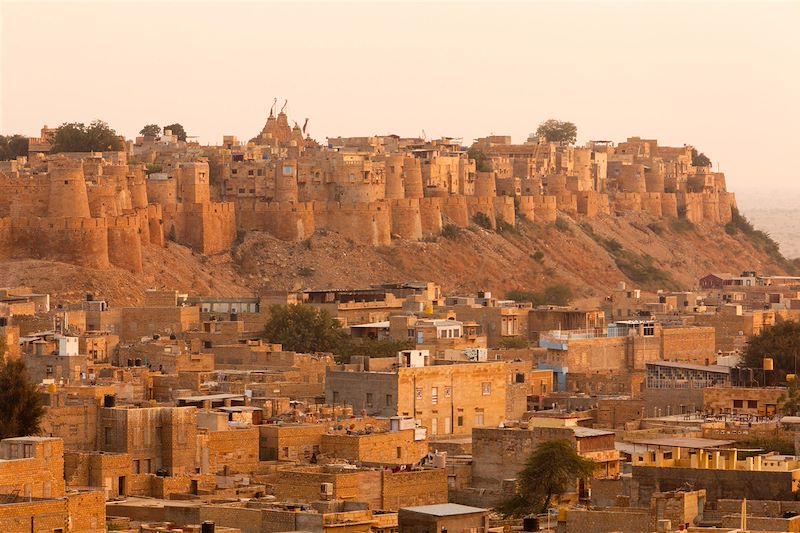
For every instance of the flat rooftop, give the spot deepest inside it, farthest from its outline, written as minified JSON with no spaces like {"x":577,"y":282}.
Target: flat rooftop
{"x":444,"y":509}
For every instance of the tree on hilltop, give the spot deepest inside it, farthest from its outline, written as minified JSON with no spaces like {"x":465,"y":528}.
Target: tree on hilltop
{"x":21,"y":406}
{"x":177,"y":130}
{"x":13,"y":146}
{"x":557,"y":131}
{"x":552,"y":468}
{"x":151,"y":130}
{"x":77,"y":137}
{"x":700,"y":159}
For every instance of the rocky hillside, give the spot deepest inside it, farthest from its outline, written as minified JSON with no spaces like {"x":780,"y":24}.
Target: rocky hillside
{"x":590,"y":256}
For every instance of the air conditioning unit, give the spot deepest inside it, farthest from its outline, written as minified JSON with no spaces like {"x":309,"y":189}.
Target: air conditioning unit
{"x":326,"y":491}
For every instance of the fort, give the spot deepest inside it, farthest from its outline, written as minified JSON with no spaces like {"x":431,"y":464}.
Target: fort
{"x":101,"y":210}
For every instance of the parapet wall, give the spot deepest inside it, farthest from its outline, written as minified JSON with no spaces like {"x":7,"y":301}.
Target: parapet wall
{"x":431,"y":215}
{"x":124,"y":243}
{"x":81,"y":241}
{"x":406,"y":218}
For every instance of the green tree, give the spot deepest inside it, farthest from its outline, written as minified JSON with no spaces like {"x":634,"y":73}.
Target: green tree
{"x":21,"y":406}
{"x":557,"y":294}
{"x":13,"y":146}
{"x":482,"y":161}
{"x":177,"y":130}
{"x":790,"y":401}
{"x":700,"y":159}
{"x":151,"y":130}
{"x":77,"y":137}
{"x":781,"y":342}
{"x":557,"y":131}
{"x":303,"y":328}
{"x":553,"y":468}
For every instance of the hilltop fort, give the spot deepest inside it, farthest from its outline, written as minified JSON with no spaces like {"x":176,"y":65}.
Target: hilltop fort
{"x":100,"y":209}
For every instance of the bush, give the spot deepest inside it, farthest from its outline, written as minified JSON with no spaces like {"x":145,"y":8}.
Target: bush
{"x":504,"y":227}
{"x":656,"y":228}
{"x":538,"y":256}
{"x":512,"y":343}
{"x":682,"y":225}
{"x":556,"y":294}
{"x":451,"y":231}
{"x":563,"y":225}
{"x":731,"y":229}
{"x":305,"y":271}
{"x":641,"y":269}
{"x":482,"y":220}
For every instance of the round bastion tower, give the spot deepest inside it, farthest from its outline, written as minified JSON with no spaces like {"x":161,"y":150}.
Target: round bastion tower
{"x":68,"y":197}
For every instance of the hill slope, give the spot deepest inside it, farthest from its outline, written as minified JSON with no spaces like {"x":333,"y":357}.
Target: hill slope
{"x":589,"y":255}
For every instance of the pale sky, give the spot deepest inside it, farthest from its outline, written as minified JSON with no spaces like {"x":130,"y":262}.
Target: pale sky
{"x":724,"y":77}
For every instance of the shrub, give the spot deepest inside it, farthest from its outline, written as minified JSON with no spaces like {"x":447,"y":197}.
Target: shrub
{"x":538,"y":256}
{"x":656,"y":228}
{"x":556,"y":294}
{"x":512,"y":343}
{"x":305,"y":271}
{"x":504,"y":227}
{"x":482,"y":220}
{"x":681,"y":225}
{"x":563,"y":225}
{"x":451,"y":231}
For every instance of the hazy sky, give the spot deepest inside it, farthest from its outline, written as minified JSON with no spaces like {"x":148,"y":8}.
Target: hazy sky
{"x":724,"y":77}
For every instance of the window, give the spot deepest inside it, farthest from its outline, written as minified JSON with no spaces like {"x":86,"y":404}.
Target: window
{"x":478,"y":417}
{"x":335,"y":396}
{"x":486,"y":388}
{"x":752,"y":404}
{"x":399,"y":452}
{"x":520,"y":377}
{"x":649,"y":330}
{"x":434,"y":395}
{"x":448,"y":392}
{"x":460,"y":421}
{"x":108,"y":436}
{"x":286,"y":451}
{"x":419,"y":394}
{"x":434,"y":426}
{"x":369,"y":399}
{"x":738,"y":404}
{"x":388,"y":400}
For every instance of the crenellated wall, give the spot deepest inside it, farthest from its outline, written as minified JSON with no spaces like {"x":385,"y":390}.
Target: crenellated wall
{"x":454,"y":210}
{"x":504,"y":207}
{"x":124,"y":243}
{"x":567,"y":202}
{"x":526,"y":207}
{"x":652,"y":203}
{"x":431,"y":215}
{"x":406,"y":218}
{"x":81,"y":241}
{"x":628,"y":201}
{"x":669,"y":205}
{"x":366,"y":223}
{"x":476,"y":204}
{"x":545,"y":208}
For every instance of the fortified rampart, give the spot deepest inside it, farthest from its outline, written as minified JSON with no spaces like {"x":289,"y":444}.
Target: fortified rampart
{"x":99,"y":212}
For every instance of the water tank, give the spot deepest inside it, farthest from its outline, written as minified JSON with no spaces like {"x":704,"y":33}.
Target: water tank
{"x":109,"y":400}
{"x":207,"y":527}
{"x":440,"y":459}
